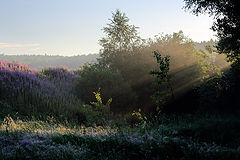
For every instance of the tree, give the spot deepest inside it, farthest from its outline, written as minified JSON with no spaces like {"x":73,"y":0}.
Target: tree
{"x":162,"y":76}
{"x":121,"y":37}
{"x":227,"y":23}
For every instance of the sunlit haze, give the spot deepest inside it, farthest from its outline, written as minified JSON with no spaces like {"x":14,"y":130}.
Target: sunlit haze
{"x":73,"y":27}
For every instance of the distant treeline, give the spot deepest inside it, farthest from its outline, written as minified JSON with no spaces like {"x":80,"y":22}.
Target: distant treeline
{"x":41,"y":61}
{"x":71,"y":62}
{"x":202,"y":44}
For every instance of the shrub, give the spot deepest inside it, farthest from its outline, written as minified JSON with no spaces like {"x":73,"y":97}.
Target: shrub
{"x":104,"y":109}
{"x":220,"y":93}
{"x":134,"y":117}
{"x":97,"y":113}
{"x":93,"y":77}
{"x":162,"y":77}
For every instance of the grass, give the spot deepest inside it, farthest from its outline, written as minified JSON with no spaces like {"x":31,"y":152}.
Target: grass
{"x":34,"y":139}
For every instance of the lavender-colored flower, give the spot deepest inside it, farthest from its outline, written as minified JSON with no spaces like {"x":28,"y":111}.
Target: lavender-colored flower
{"x":49,"y":88}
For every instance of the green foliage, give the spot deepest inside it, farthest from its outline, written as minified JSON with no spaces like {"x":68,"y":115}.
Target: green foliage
{"x":207,"y":62}
{"x":220,"y":93}
{"x":135,"y":117}
{"x":93,"y":77}
{"x":162,"y":74}
{"x":227,"y":23}
{"x":97,"y":113}
{"x":104,"y":109}
{"x":124,"y":52}
{"x":121,"y":37}
{"x":162,"y":77}
{"x":134,"y":67}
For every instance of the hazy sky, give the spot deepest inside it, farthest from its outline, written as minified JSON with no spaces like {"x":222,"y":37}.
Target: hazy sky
{"x":72,"y":27}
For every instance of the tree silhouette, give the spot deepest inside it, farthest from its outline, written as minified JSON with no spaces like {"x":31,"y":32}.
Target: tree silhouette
{"x":227,"y":23}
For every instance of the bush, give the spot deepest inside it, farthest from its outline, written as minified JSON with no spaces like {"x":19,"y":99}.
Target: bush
{"x":97,"y":113}
{"x":93,"y":77}
{"x":220,"y":93}
{"x":134,"y":117}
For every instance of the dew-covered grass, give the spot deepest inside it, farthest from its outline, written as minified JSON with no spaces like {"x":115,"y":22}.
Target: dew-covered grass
{"x":35,"y":139}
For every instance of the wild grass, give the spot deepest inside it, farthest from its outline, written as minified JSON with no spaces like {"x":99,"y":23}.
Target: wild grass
{"x":34,"y":139}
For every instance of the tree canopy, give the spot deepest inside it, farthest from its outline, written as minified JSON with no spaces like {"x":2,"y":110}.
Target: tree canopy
{"x":227,"y":23}
{"x":121,"y":37}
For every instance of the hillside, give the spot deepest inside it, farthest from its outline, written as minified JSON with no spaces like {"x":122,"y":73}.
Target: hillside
{"x":71,"y":62}
{"x":41,"y":61}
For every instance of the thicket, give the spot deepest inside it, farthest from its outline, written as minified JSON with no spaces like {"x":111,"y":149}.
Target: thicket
{"x":129,"y":58}
{"x":111,"y":85}
{"x":220,"y":94}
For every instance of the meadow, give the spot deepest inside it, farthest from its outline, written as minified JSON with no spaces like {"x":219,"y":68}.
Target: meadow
{"x":160,"y":98}
{"x":191,"y":138}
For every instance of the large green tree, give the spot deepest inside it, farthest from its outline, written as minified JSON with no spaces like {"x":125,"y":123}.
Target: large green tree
{"x":121,"y":37}
{"x":227,"y":23}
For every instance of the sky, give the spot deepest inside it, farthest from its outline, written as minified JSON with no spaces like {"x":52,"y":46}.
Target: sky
{"x":74,"y":27}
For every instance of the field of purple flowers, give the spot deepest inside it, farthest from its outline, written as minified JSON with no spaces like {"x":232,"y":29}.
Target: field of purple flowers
{"x":37,"y":93}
